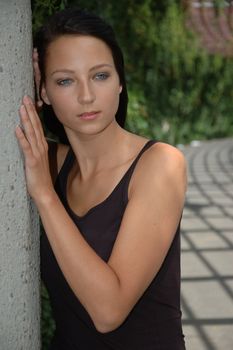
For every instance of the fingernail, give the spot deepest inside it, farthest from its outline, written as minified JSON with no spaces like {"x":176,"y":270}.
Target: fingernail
{"x":19,"y":128}
{"x":26,"y":99}
{"x":22,"y":107}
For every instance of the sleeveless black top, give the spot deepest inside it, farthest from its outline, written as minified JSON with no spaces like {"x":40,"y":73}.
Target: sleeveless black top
{"x":155,"y":321}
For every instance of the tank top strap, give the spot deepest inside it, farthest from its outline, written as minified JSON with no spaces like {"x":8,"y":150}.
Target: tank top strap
{"x":130,"y":171}
{"x":64,"y":171}
{"x":145,"y":147}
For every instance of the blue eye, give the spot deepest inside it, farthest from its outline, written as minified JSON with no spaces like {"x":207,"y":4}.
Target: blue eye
{"x":64,"y":82}
{"x":101,"y":76}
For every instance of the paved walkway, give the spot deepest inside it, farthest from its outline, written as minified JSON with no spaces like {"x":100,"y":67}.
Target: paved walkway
{"x":207,"y":247}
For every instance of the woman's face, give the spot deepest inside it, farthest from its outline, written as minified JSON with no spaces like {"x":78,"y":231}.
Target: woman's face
{"x":81,"y":83}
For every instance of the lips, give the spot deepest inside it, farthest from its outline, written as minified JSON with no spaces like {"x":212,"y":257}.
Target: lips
{"x":89,"y":115}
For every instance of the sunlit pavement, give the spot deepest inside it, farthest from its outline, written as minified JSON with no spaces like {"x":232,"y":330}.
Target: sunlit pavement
{"x":207,"y":247}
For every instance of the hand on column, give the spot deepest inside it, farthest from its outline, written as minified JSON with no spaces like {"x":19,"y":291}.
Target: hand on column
{"x":35,"y":149}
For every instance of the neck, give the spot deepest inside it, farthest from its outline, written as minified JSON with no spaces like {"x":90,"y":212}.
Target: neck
{"x":94,"y":152}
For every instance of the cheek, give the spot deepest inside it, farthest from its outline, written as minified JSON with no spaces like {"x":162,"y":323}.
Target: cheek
{"x":59,"y":105}
{"x":59,"y":101}
{"x":112,"y":99}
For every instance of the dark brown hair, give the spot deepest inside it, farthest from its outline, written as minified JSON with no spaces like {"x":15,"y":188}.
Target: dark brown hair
{"x":76,"y":22}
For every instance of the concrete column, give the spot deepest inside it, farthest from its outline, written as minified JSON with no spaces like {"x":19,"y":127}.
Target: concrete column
{"x":19,"y":224}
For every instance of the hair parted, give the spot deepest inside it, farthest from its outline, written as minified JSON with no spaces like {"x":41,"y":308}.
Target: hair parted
{"x":73,"y":21}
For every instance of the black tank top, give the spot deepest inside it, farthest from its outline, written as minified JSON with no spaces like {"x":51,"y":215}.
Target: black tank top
{"x":155,"y":321}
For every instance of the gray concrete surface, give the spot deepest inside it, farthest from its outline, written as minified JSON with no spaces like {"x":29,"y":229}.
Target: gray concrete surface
{"x":207,"y":247}
{"x":19,"y":229}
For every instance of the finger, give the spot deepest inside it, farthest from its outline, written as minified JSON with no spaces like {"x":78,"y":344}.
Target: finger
{"x":36,"y":122}
{"x":34,"y":118}
{"x":35,"y":53}
{"x":24,"y":144}
{"x":39,"y":103}
{"x":37,"y":76}
{"x":30,"y":107}
{"x":29,"y":132}
{"x":35,"y":63}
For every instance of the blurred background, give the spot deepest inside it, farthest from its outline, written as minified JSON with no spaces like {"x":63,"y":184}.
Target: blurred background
{"x":179,"y":64}
{"x":179,"y":68}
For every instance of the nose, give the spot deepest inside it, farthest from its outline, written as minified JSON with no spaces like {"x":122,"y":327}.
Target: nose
{"x":86,"y":93}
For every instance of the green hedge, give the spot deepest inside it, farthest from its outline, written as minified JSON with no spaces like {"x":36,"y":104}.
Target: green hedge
{"x":178,"y":91}
{"x":47,"y":324}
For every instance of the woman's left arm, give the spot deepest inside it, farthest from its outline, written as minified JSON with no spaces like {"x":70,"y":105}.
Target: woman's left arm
{"x":109,"y":291}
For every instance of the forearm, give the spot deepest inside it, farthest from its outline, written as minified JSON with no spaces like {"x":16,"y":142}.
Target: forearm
{"x":92,"y":280}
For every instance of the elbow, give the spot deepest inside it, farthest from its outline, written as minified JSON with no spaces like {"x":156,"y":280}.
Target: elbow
{"x":109,"y":322}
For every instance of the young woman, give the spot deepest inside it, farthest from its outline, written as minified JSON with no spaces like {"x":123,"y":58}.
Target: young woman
{"x":110,"y":253}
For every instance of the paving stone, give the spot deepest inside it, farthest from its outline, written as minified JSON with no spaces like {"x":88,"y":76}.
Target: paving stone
{"x":229,"y":210}
{"x":222,"y":262}
{"x":228,"y":236}
{"x":200,"y":200}
{"x":229,"y":283}
{"x":207,"y":300}
{"x":207,"y":247}
{"x":207,"y":240}
{"x":193,"y":340}
{"x":220,"y":223}
{"x":195,"y":222}
{"x":188,"y":213}
{"x":184,"y":243}
{"x":224,"y":200}
{"x":223,"y":336}
{"x":210,"y":211}
{"x":192,"y":266}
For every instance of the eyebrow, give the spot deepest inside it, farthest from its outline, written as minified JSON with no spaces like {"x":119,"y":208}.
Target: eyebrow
{"x":64,"y":70}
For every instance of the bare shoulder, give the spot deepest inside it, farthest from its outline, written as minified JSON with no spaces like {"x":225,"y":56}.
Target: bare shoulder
{"x":162,"y":164}
{"x":166,"y":156}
